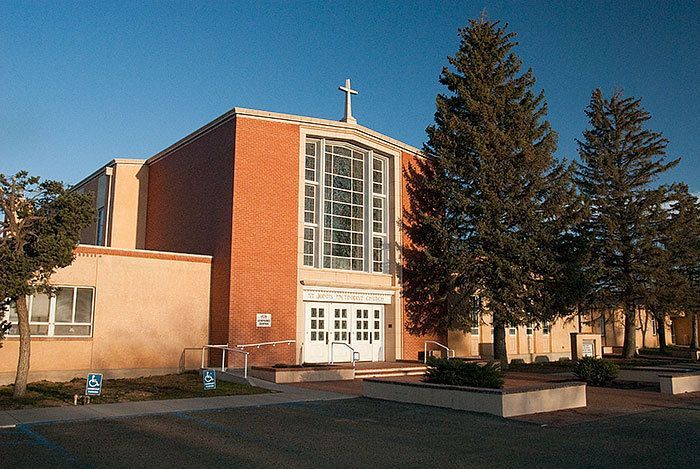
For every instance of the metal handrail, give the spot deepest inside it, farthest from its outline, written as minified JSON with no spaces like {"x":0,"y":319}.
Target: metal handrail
{"x":258,"y":345}
{"x":223,"y":349}
{"x":355,"y":354}
{"x":425,"y":350}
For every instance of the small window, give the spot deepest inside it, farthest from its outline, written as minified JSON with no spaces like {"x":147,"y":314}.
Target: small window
{"x":654,"y":329}
{"x":513,"y":330}
{"x":528,"y":330}
{"x":546,"y":328}
{"x":67,"y":312}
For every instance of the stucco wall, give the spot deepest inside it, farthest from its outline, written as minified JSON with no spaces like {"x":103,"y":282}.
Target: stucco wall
{"x":127,"y":222}
{"x":683,"y":329}
{"x":148,"y":308}
{"x":190,"y":193}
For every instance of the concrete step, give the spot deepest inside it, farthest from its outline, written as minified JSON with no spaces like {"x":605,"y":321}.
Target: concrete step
{"x":390,"y":372}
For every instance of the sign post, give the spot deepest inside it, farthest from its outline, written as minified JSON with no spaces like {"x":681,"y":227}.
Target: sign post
{"x":93,"y":386}
{"x":209,"y":379}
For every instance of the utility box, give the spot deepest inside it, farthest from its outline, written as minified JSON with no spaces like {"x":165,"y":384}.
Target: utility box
{"x":586,"y":345}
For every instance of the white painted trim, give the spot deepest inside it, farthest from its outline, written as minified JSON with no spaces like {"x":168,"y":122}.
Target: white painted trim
{"x":347,"y":295}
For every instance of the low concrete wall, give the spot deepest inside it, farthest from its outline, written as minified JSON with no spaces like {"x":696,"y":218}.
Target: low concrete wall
{"x":679,"y":384}
{"x":649,"y":374}
{"x":305,"y":374}
{"x":502,"y":402}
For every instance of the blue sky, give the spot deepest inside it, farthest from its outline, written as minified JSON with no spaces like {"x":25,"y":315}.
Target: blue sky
{"x":82,"y":83}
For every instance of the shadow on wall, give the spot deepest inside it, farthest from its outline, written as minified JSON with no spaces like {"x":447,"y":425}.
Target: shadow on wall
{"x":142,"y":177}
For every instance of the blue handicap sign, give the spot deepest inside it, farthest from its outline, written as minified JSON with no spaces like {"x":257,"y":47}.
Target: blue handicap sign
{"x":93,"y":387}
{"x":209,"y":379}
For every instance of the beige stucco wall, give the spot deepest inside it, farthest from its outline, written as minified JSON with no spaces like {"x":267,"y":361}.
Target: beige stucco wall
{"x":125,"y":200}
{"x":613,"y":335}
{"x":555,"y":345}
{"x":128,"y":209}
{"x":148,"y":307}
{"x":682,"y":327}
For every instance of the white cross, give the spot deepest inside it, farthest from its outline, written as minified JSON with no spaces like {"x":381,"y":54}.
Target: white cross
{"x":348,"y":103}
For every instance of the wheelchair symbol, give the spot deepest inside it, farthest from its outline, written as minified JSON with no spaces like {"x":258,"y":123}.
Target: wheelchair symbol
{"x":208,"y":378}
{"x":93,"y":383}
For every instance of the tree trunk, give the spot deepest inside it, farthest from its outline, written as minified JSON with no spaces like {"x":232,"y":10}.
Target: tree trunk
{"x":24,"y":342}
{"x":643,"y":325}
{"x":694,"y":331}
{"x":500,"y":352}
{"x":661,"y":331}
{"x":629,"y":347}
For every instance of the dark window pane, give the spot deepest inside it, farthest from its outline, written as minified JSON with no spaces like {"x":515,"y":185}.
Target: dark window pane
{"x":340,"y":263}
{"x":39,"y":329}
{"x":83,"y":305}
{"x":40,"y":308}
{"x":71,"y":330}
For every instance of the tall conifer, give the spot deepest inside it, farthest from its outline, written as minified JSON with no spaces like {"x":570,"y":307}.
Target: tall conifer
{"x":620,"y":162}
{"x":489,"y":203}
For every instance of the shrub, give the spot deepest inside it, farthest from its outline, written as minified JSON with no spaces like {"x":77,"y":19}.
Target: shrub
{"x":461,"y":373}
{"x":596,"y":371}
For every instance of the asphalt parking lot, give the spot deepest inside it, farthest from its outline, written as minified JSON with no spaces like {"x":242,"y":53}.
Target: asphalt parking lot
{"x":354,"y":433}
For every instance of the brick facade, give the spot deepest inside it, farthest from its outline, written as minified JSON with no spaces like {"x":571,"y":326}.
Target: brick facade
{"x":412,"y":344}
{"x":264,"y":247}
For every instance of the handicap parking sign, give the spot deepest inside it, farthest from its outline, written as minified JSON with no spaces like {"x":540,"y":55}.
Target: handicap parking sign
{"x":93,"y":387}
{"x":209,"y":379}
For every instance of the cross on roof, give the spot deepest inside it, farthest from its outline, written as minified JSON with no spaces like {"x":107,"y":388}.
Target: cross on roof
{"x":348,"y":102}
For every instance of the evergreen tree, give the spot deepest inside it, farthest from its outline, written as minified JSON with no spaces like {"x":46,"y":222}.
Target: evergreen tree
{"x":620,"y":160}
{"x":489,"y":204}
{"x":39,"y":231}
{"x":683,"y":245}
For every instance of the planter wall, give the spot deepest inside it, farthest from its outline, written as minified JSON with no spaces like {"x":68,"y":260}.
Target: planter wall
{"x":303,"y":374}
{"x":502,"y":402}
{"x":679,"y":384}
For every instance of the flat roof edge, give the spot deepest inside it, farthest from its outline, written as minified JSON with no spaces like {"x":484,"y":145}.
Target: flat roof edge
{"x":254,"y":113}
{"x":142,"y":253}
{"x":107,"y":165}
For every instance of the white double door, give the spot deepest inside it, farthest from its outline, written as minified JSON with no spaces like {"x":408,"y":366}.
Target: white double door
{"x":341,"y":328}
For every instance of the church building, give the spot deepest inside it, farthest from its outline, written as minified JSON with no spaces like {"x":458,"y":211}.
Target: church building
{"x":276,"y":233}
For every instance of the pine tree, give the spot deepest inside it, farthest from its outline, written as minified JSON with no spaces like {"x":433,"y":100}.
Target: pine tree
{"x":620,"y":160}
{"x":489,"y":203}
{"x":682,"y":240}
{"x":40,"y":228}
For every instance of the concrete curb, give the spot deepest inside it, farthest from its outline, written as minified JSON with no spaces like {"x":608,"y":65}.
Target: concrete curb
{"x":285,"y":394}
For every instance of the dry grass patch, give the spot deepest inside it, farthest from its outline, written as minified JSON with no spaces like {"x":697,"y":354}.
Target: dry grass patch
{"x":175,"y":386}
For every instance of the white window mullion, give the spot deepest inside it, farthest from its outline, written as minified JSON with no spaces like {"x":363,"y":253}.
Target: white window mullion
{"x":52,"y":314}
{"x":320,"y":235}
{"x":75,"y":300}
{"x":369,"y":207}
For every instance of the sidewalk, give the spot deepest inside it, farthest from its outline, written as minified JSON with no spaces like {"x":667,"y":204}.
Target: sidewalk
{"x":283,"y":394}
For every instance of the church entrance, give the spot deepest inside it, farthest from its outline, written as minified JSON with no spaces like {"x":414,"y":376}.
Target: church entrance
{"x":338,"y":329}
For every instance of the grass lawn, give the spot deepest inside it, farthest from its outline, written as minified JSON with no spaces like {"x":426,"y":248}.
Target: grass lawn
{"x":175,"y":386}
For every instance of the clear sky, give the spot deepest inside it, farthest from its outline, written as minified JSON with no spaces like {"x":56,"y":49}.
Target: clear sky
{"x":83,"y":83}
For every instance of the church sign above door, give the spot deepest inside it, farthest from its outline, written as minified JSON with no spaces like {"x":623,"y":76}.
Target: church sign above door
{"x":347,"y":295}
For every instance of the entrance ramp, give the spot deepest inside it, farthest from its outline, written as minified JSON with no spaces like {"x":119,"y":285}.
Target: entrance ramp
{"x":388,"y":369}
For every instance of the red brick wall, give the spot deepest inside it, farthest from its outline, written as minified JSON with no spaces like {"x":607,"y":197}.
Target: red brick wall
{"x":190,"y":193}
{"x":265,"y":236}
{"x":412,"y":344}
